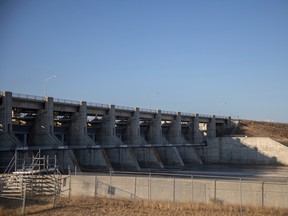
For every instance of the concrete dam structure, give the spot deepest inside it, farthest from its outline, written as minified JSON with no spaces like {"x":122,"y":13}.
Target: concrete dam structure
{"x":92,"y":136}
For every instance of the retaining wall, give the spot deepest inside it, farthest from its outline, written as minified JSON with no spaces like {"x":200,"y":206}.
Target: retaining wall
{"x":244,"y":150}
{"x":189,"y":189}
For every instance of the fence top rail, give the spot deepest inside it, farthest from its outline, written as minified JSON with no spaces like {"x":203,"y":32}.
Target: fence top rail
{"x":193,"y":176}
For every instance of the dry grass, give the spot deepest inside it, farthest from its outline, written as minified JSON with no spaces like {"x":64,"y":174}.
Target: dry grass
{"x":277,"y":131}
{"x":100,"y":206}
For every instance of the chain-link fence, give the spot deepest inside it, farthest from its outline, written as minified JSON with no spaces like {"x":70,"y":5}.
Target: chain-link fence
{"x":181,"y":188}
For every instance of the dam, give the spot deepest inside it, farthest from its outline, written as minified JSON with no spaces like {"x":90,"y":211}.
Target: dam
{"x":93,"y":136}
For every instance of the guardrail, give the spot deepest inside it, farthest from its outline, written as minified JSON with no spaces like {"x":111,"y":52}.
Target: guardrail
{"x":74,"y":102}
{"x":221,"y":117}
{"x":124,"y":108}
{"x":26,"y":96}
{"x":57,"y":100}
{"x":169,"y":112}
{"x":188,"y":114}
{"x":148,"y":110}
{"x":205,"y":116}
{"x":98,"y":105}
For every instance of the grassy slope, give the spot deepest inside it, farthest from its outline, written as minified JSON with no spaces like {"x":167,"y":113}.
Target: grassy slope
{"x":276,"y":131}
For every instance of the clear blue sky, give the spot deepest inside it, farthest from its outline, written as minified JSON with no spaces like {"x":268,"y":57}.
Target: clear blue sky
{"x":222,"y":57}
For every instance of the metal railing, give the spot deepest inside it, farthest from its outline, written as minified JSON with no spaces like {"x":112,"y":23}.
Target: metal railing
{"x":147,"y":110}
{"x":205,"y":116}
{"x":124,"y":108}
{"x":26,"y":96}
{"x":106,"y":106}
{"x":169,"y":112}
{"x":188,"y":114}
{"x":221,"y":117}
{"x":74,"y":102}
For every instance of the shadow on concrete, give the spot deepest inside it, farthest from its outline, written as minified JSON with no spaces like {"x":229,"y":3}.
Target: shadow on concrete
{"x":244,"y":150}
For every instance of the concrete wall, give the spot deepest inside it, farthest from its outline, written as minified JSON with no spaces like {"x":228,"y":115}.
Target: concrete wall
{"x":244,"y":150}
{"x":234,"y":191}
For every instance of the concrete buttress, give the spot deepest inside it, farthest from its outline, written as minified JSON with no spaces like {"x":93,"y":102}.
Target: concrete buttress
{"x":42,"y":134}
{"x":211,"y":133}
{"x":120,"y":158}
{"x":146,"y":157}
{"x":88,"y":159}
{"x":169,"y":156}
{"x":189,"y":155}
{"x":7,"y":139}
{"x":197,"y":136}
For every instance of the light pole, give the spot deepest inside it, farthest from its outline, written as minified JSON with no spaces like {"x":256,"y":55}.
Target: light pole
{"x":46,"y":80}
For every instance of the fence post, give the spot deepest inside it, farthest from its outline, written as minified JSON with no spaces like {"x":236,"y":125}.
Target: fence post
{"x":110,"y":181}
{"x":262,"y":189}
{"x":149,"y":186}
{"x":69,"y":194}
{"x":15,"y":160}
{"x":54,"y":199}
{"x":205,"y":193}
{"x":240,"y":188}
{"x":174,"y":184}
{"x":24,"y":200}
{"x":96,"y":186}
{"x":215,"y":190}
{"x":135,"y":187}
{"x":192,"y":188}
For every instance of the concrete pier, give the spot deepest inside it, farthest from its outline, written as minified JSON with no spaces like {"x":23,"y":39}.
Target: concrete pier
{"x":146,"y":157}
{"x":198,"y":136}
{"x":42,"y":131}
{"x":7,"y":138}
{"x":187,"y":154}
{"x":120,"y":158}
{"x":169,"y":156}
{"x":88,"y":159}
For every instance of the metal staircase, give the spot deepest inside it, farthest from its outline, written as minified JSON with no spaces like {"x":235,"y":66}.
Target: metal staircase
{"x":40,"y":177}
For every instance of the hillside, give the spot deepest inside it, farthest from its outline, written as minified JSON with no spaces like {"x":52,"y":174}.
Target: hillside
{"x":276,"y":131}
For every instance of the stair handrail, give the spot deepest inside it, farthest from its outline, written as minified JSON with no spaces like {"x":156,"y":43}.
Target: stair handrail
{"x":10,"y":165}
{"x":35,"y":159}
